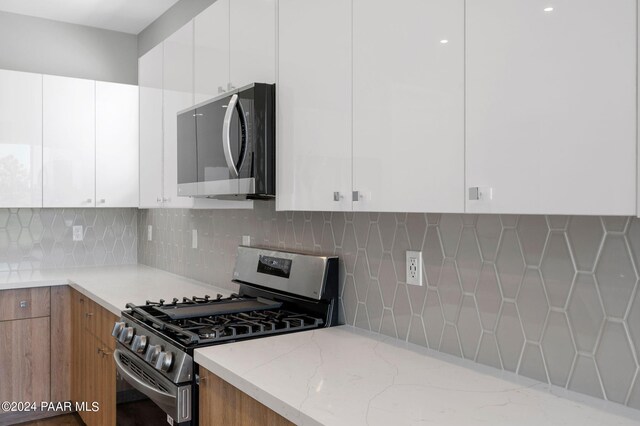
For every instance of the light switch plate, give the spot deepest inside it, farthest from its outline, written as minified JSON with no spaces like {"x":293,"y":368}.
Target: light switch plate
{"x":194,"y":238}
{"x":77,"y":233}
{"x":150,"y":233}
{"x":414,"y":267}
{"x":246,"y":240}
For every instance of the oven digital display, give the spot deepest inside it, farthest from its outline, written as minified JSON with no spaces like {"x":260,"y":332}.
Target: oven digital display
{"x":274,"y":266}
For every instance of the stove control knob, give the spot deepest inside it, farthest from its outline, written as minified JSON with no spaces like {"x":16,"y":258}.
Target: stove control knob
{"x":152,"y":354}
{"x":165,"y":359}
{"x":126,"y":335}
{"x":139,"y":344}
{"x":117,"y":328}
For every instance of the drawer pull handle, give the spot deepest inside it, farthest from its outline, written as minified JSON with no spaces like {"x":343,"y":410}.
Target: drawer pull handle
{"x":24,"y":304}
{"x":88,"y":314}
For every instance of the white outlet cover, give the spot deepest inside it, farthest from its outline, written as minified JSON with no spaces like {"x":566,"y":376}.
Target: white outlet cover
{"x":77,"y":233}
{"x":414,"y":267}
{"x":149,"y":233}
{"x":194,"y":238}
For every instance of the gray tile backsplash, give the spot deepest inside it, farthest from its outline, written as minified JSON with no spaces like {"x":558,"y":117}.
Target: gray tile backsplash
{"x":554,"y":298}
{"x":33,"y":239}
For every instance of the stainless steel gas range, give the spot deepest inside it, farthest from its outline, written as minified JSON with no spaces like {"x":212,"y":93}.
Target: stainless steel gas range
{"x":280,"y":292}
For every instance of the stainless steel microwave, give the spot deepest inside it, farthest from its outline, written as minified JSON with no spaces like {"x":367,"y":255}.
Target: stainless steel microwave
{"x":226,"y":146}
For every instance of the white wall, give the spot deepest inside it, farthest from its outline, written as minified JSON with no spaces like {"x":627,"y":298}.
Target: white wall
{"x":168,"y":23}
{"x":50,"y":47}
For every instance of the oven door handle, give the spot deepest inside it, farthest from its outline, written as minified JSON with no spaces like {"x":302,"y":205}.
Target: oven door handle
{"x":162,"y":398}
{"x":226,"y":136}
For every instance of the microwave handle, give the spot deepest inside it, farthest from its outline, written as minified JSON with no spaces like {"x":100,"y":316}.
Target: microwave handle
{"x":226,"y":136}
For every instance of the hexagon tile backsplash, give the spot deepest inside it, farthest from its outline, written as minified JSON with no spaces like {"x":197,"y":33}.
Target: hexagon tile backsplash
{"x":553,"y":298}
{"x":43,"y":238}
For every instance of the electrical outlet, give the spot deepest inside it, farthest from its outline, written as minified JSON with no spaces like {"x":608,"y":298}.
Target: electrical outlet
{"x":414,"y":267}
{"x":149,"y":233}
{"x":194,"y":238}
{"x":77,"y":233}
{"x":246,"y":240}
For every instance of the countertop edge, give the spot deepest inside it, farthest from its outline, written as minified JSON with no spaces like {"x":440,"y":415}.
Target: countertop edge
{"x":100,"y":301}
{"x":34,"y":284}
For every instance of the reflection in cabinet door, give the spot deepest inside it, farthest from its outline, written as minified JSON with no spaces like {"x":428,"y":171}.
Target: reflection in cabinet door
{"x":116,"y":144}
{"x":68,"y":142}
{"x":252,"y":45}
{"x":408,"y":105}
{"x":151,"y":142}
{"x":314,"y":105}
{"x":552,"y":129}
{"x":21,"y":139}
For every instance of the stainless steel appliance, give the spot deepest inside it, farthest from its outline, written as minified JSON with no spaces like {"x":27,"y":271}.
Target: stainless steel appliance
{"x":280,"y":292}
{"x":226,"y":146}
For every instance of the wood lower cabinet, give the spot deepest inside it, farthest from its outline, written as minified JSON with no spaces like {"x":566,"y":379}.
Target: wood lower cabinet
{"x":225,"y":405}
{"x":93,"y":368}
{"x":25,"y":362}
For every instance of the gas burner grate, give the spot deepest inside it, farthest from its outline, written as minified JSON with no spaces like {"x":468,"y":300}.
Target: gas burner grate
{"x":247,"y":325}
{"x":210,"y":329}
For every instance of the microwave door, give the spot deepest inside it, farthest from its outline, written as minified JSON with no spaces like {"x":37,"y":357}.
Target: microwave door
{"x":214,"y":176}
{"x":234,"y":135}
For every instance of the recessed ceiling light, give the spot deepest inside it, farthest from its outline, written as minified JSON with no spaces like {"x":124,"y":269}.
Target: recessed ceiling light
{"x":548,"y":9}
{"x":444,"y":41}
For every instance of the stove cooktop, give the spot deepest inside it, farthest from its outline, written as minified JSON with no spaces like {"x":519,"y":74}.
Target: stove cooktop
{"x":203,"y":321}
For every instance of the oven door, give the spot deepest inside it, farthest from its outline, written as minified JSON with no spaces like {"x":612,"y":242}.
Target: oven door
{"x":214,"y":148}
{"x":171,"y":403}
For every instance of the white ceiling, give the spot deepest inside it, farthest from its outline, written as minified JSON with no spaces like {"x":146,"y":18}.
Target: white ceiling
{"x":129,"y":16}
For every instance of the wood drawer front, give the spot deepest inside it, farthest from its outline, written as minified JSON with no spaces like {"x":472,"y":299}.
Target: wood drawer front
{"x":37,"y":303}
{"x":24,"y":360}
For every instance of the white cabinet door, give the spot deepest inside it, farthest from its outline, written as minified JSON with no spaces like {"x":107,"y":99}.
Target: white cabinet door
{"x":116,"y":145}
{"x":211,"y":59}
{"x":408,"y":105}
{"x":151,"y":140}
{"x":252,"y":42}
{"x":314,"y":105}
{"x":178,"y":95}
{"x":20,"y":139}
{"x":68,"y":142}
{"x":551,"y":106}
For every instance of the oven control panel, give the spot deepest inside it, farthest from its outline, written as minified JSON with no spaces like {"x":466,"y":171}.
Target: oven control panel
{"x":174,"y":363}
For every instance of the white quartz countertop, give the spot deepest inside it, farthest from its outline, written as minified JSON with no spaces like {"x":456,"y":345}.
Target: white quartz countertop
{"x":115,"y":286}
{"x":345,"y":376}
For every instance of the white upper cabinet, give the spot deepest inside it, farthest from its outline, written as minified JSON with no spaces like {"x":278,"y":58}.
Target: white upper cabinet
{"x":551,"y":106}
{"x":314,"y":105}
{"x":20,"y":139}
{"x":151,"y":141}
{"x":235,"y":45}
{"x":408,"y":105}
{"x":178,"y":95}
{"x":68,"y":142}
{"x":116,"y":145}
{"x":252,"y":42}
{"x":211,"y":51}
